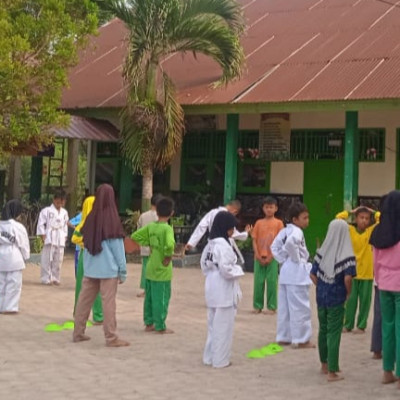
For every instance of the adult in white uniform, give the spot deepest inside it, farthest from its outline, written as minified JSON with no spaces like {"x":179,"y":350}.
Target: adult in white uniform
{"x":14,"y":250}
{"x":222,"y":291}
{"x":206,"y":223}
{"x":294,"y":312}
{"x":52,"y":227}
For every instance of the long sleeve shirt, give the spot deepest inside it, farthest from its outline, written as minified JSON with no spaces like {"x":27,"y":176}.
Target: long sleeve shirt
{"x":53,"y":224}
{"x":14,"y":246}
{"x":289,"y":249}
{"x":205,"y":225}
{"x":109,"y":263}
{"x":219,"y":265}
{"x":362,"y":248}
{"x":159,"y":236}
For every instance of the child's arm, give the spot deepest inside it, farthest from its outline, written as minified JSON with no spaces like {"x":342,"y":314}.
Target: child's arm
{"x":117,"y":248}
{"x":41,"y":225}
{"x":22,"y":240}
{"x":313,"y":274}
{"x":292,"y":246}
{"x":199,"y":231}
{"x":169,"y":246}
{"x":141,"y":236}
{"x":347,"y":283}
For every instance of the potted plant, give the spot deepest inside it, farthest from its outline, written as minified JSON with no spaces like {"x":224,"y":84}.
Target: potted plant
{"x":246,"y":248}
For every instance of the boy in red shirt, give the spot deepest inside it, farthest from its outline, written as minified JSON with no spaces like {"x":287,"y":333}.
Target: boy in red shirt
{"x":265,"y":267}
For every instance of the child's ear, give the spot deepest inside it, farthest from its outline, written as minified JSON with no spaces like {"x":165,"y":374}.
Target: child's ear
{"x":172,"y":213}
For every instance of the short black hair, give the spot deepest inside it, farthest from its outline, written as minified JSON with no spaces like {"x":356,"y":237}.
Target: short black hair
{"x":269,"y":200}
{"x":236,"y":204}
{"x":165,"y":206}
{"x":296,"y":209}
{"x":362,"y":210}
{"x":59,"y":194}
{"x":155,"y":199}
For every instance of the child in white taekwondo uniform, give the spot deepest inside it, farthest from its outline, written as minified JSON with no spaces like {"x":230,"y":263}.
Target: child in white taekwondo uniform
{"x":52,"y":227}
{"x":14,"y":250}
{"x":222,"y":291}
{"x":294,"y":312}
{"x":206,"y":223}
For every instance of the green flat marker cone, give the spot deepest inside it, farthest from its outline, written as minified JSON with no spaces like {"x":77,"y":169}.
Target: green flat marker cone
{"x":68,"y":325}
{"x":53,"y":327}
{"x":89,"y":323}
{"x":271,"y":349}
{"x":266,"y":351}
{"x":256,"y":353}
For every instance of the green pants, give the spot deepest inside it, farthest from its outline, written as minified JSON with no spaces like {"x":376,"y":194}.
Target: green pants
{"x":265,"y":274}
{"x":97,"y":308}
{"x":390,"y":309}
{"x":156,"y":301}
{"x":330,"y":330}
{"x":143,"y":275}
{"x":361,"y":292}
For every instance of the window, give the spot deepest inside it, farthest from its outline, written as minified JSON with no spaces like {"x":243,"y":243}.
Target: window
{"x":318,"y":144}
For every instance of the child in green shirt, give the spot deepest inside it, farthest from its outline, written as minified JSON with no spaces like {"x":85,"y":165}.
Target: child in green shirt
{"x":159,"y":236}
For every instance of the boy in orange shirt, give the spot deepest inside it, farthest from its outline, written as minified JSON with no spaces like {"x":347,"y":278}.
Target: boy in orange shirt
{"x":265,"y":267}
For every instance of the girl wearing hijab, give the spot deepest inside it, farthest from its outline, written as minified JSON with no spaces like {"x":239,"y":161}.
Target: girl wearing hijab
{"x":385,"y":240}
{"x":332,"y":272}
{"x":222,"y":291}
{"x":77,"y":239}
{"x":104,"y":266}
{"x":14,"y":250}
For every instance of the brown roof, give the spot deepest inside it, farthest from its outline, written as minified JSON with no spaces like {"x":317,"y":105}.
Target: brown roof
{"x":303,"y":50}
{"x":89,"y":129}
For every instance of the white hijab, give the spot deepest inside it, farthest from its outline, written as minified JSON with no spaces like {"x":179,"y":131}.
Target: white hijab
{"x":336,"y":253}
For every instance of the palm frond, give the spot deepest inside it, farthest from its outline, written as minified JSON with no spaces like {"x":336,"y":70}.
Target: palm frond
{"x":228,"y":10}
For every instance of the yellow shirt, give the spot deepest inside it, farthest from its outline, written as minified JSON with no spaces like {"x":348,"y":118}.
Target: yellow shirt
{"x":361,"y":247}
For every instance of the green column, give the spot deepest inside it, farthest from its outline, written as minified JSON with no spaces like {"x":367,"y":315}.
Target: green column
{"x":125,"y":187}
{"x":232,"y":139}
{"x":351,"y":149}
{"x":35,"y":187}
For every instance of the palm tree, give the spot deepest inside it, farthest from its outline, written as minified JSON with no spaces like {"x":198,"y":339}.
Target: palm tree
{"x":153,"y":120}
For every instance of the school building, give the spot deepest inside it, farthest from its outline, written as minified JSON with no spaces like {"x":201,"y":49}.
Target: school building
{"x":315,"y":115}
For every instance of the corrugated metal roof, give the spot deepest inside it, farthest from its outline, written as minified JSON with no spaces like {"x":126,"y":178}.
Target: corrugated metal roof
{"x":295,"y":51}
{"x":88,"y":129}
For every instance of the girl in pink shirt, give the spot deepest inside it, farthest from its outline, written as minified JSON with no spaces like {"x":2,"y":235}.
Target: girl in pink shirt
{"x":386,"y":241}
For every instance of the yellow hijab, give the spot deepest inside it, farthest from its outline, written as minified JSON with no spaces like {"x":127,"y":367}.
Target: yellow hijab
{"x":77,"y":237}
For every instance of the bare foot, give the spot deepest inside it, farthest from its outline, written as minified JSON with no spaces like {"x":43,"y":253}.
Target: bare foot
{"x":118,"y":343}
{"x":324,"y":368}
{"x":284,"y":343}
{"x":141,"y":294}
{"x":359,"y":331}
{"x":269,"y":312}
{"x":149,"y":328}
{"x":306,"y":345}
{"x":55,"y":283}
{"x":388,"y":377}
{"x":256,"y":311}
{"x":225,"y":366}
{"x":398,"y":385}
{"x":333,"y":377}
{"x":9,"y":312}
{"x":165,"y":332}
{"x":377,"y":355}
{"x":80,"y":338}
{"x":97,"y":322}
{"x":345,"y":330}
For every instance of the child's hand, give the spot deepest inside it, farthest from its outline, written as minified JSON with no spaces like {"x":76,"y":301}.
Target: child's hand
{"x":166,"y":261}
{"x":248,"y":228}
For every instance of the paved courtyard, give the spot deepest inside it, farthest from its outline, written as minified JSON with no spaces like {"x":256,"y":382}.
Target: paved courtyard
{"x":35,"y":364}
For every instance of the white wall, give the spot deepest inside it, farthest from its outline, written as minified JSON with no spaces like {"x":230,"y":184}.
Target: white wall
{"x":287,"y":177}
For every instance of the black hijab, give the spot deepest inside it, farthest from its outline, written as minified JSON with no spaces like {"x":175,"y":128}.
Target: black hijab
{"x":11,"y":210}
{"x":223,"y":221}
{"x":103,"y":222}
{"x":387,"y":232}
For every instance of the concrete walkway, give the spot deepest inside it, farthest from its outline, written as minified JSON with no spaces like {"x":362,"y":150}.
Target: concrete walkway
{"x":35,"y":364}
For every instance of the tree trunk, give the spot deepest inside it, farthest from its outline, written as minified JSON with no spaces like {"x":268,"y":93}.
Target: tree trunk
{"x":147,"y":189}
{"x":14,"y":178}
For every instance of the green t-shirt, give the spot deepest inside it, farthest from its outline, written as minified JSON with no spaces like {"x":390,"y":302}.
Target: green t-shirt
{"x":159,"y":236}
